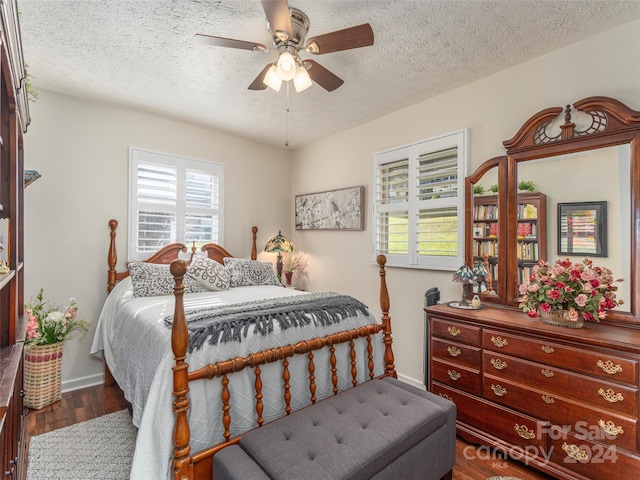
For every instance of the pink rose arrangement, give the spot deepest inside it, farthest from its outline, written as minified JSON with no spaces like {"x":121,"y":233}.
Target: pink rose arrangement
{"x":48,"y":324}
{"x":579,"y":288}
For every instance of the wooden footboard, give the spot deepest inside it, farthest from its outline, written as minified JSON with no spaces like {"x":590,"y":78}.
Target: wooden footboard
{"x":188,"y":466}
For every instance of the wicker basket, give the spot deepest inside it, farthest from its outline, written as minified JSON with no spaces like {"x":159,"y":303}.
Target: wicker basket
{"x":560,"y":318}
{"x":43,"y":375}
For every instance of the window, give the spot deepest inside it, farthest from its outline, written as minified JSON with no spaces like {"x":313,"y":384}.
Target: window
{"x":172,"y":199}
{"x":419,"y":203}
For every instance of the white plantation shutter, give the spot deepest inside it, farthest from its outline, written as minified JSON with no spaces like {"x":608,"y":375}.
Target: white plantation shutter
{"x":172,"y":199}
{"x":419,"y":203}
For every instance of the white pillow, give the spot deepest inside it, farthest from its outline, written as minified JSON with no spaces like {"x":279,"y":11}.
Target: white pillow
{"x":151,"y":279}
{"x":209,"y":273}
{"x":250,"y":272}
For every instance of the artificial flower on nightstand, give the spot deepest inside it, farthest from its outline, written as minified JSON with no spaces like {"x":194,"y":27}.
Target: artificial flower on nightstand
{"x":294,"y":262}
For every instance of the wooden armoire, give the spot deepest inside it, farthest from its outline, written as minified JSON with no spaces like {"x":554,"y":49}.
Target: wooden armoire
{"x":14,"y":119}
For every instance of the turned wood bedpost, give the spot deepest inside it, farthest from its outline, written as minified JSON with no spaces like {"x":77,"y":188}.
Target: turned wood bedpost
{"x":112,"y":257}
{"x":254,"y":248}
{"x":182,"y":462}
{"x":389,"y":367}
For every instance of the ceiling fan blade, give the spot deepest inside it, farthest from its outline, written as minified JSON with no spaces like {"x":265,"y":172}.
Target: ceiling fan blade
{"x":228,"y":42}
{"x":352,"y":37}
{"x":323,"y":77}
{"x":258,"y":83}
{"x":277,"y":12}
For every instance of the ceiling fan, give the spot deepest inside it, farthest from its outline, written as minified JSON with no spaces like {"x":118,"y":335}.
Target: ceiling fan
{"x":289,"y":27}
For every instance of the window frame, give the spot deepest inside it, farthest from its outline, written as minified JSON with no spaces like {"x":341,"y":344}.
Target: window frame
{"x":182,"y":165}
{"x":413,"y":206}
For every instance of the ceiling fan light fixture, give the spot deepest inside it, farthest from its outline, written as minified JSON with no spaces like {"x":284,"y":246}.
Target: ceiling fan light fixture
{"x":286,"y":66}
{"x":302,"y":80}
{"x":272,"y":79}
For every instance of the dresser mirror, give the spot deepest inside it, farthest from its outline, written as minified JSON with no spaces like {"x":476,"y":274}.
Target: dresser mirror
{"x":486,"y":215}
{"x":582,"y":153}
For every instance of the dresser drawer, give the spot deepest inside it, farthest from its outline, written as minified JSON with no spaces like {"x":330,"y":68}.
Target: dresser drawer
{"x":613,"y":368}
{"x":456,"y":331}
{"x":593,"y":391}
{"x":467,"y":379}
{"x":509,"y":425}
{"x":456,"y":353}
{"x":605,"y":426}
{"x":593,"y":460}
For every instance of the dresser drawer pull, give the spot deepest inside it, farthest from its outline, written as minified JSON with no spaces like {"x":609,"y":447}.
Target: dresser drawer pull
{"x":547,"y":373}
{"x":524,"y":432}
{"x":574,"y":452}
{"x":499,"y":342}
{"x":498,"y":364}
{"x":547,"y":399}
{"x":547,"y":349}
{"x":453,"y":331}
{"x":454,"y":351}
{"x":610,"y":428}
{"x":610,"y":396}
{"x":498,"y":390}
{"x":453,"y":375}
{"x":609,"y":367}
{"x":444,"y":395}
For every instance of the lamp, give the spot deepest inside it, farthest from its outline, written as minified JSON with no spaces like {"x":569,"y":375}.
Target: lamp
{"x":302,"y":80}
{"x":480,"y":275}
{"x":464,"y":275}
{"x":286,"y":66}
{"x":272,"y":79}
{"x":279,"y":244}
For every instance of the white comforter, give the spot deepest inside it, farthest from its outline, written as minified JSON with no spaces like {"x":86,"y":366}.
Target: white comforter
{"x":136,"y":344}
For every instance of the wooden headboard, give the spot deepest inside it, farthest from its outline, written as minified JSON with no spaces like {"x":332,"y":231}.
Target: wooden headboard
{"x":167,"y":254}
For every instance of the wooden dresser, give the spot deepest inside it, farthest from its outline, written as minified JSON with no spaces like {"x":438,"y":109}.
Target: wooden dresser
{"x":564,"y":401}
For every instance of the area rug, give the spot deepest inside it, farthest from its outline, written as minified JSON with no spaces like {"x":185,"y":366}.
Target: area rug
{"x":101,"y":448}
{"x":502,"y":478}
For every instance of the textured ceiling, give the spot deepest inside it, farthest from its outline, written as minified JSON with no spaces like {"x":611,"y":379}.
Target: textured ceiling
{"x":142,"y":55}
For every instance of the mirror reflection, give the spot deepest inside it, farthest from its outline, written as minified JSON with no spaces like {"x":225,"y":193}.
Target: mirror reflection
{"x":485,"y":233}
{"x":595,"y":176}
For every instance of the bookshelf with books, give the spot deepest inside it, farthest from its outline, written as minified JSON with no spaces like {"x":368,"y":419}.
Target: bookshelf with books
{"x":531,"y":232}
{"x":485,"y":235}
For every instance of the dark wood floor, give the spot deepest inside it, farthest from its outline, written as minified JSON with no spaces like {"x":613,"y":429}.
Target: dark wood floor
{"x":88,"y":403}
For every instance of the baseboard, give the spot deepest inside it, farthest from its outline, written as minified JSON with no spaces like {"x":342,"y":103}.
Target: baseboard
{"x":82,"y":382}
{"x":411,"y":381}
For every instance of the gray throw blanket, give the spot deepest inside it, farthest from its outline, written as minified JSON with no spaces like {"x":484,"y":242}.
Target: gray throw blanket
{"x":232,"y":322}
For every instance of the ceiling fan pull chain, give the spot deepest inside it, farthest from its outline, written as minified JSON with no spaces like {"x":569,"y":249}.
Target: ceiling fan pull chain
{"x":286,"y":122}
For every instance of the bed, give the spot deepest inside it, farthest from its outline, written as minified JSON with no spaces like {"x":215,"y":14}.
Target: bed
{"x":134,"y":337}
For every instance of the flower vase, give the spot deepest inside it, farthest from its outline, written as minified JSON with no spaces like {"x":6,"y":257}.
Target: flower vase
{"x":42,"y":374}
{"x":288,"y":276}
{"x":560,"y":318}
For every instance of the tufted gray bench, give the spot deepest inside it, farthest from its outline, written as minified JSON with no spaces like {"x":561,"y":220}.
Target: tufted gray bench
{"x":380,"y":429}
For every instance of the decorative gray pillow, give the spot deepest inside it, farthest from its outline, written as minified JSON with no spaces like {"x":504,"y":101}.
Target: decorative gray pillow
{"x":151,"y":279}
{"x":209,"y":273}
{"x":250,"y":272}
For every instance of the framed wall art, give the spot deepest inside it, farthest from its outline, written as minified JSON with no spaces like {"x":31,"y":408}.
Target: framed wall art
{"x":582,"y":229}
{"x":333,"y":210}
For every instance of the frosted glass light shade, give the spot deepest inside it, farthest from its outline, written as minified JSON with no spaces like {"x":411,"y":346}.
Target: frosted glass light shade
{"x":302,"y":80}
{"x":286,"y":66}
{"x":272,"y":79}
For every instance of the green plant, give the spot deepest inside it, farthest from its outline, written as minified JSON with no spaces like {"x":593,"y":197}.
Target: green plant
{"x":494,"y":188}
{"x":527,"y":185}
{"x":50,"y":324}
{"x":32,"y":93}
{"x":478,"y":189}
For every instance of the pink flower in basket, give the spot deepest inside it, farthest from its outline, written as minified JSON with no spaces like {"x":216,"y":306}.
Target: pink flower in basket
{"x":580,"y":288}
{"x":49,"y":324}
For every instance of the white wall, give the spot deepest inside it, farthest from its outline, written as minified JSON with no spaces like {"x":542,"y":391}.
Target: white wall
{"x":81,"y":150}
{"x":493,"y":109}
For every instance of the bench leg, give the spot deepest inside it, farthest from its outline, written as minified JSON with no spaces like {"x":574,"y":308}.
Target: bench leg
{"x":448,"y":475}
